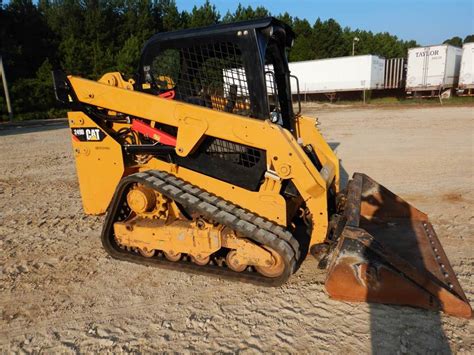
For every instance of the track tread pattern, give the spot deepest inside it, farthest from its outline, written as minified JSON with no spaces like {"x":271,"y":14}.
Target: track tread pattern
{"x":212,"y":207}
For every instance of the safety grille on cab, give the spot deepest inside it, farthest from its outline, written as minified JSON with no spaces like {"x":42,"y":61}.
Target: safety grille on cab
{"x":208,"y":74}
{"x":233,"y":152}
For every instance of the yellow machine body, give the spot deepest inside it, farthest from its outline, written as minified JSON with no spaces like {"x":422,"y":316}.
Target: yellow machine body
{"x":201,"y":163}
{"x":285,"y":157}
{"x":99,"y":165}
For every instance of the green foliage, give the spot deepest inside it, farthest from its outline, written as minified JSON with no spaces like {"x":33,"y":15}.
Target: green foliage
{"x":168,"y":16}
{"x":44,"y":72}
{"x":92,"y":37}
{"x":455,"y":41}
{"x":469,"y":39}
{"x":242,"y":13}
{"x":286,"y":18}
{"x":76,"y":56}
{"x":24,"y":36}
{"x":167,"y":62}
{"x":204,"y":15}
{"x":34,"y":93}
{"x":303,"y":47}
{"x":328,"y":39}
{"x":127,"y":58}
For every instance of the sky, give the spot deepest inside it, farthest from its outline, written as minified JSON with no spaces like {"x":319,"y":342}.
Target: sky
{"x":426,"y":21}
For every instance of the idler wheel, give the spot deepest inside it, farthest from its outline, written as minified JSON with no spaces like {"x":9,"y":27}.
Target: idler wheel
{"x":276,"y":268}
{"x":233,"y":263}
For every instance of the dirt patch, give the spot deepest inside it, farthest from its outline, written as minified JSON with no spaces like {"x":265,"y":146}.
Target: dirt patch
{"x":453,"y":197}
{"x":60,"y":292}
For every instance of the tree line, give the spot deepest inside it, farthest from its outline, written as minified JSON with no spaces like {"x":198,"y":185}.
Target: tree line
{"x":92,"y":37}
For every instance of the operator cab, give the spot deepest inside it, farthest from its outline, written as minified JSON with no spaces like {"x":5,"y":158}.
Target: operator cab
{"x":240,"y":68}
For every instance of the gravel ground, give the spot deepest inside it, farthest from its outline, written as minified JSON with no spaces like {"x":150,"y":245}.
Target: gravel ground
{"x":60,"y":292}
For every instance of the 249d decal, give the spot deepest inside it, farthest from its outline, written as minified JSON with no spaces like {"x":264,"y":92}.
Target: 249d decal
{"x":88,"y":134}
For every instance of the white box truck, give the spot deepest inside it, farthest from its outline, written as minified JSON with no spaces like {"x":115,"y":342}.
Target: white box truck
{"x":355,"y":73}
{"x":433,"y":68}
{"x":466,"y":74}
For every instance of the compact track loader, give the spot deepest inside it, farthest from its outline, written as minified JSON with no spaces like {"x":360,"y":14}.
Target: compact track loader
{"x":202,"y":164}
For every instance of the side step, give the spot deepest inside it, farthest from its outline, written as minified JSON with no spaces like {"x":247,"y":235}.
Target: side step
{"x":388,"y":252}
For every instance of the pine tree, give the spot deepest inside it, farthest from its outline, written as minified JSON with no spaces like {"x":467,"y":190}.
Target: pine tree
{"x":128,"y":56}
{"x":169,"y":18}
{"x":303,"y":48}
{"x":242,"y":13}
{"x":328,"y":40}
{"x":204,"y":15}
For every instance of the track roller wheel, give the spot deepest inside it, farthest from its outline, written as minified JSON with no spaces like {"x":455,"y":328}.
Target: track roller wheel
{"x":198,"y":260}
{"x":233,"y":262}
{"x":276,"y":268}
{"x":172,"y":256}
{"x":146,"y":253}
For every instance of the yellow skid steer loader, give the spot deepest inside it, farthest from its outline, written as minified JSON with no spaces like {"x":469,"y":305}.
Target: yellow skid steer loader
{"x":203,"y":163}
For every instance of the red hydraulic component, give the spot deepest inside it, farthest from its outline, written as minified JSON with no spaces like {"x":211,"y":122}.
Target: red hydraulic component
{"x":167,"y":95}
{"x":153,"y":133}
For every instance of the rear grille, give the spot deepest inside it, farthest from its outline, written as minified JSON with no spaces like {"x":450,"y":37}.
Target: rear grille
{"x":233,"y":152}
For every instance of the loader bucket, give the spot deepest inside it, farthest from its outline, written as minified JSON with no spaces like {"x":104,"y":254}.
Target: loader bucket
{"x":388,"y":252}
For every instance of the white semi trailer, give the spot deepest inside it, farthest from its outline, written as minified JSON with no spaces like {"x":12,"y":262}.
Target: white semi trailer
{"x":323,"y":76}
{"x":433,"y":69}
{"x":466,"y":74}
{"x":355,"y":73}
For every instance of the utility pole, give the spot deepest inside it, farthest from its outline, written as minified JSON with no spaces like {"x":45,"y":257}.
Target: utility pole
{"x":5,"y":90}
{"x":356,"y":39}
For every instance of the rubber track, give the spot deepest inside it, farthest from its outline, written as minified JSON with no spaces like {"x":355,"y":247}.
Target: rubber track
{"x":213,"y":208}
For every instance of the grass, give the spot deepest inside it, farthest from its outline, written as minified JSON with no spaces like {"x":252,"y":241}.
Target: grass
{"x":40,"y":115}
{"x":455,"y":100}
{"x":401,"y":101}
